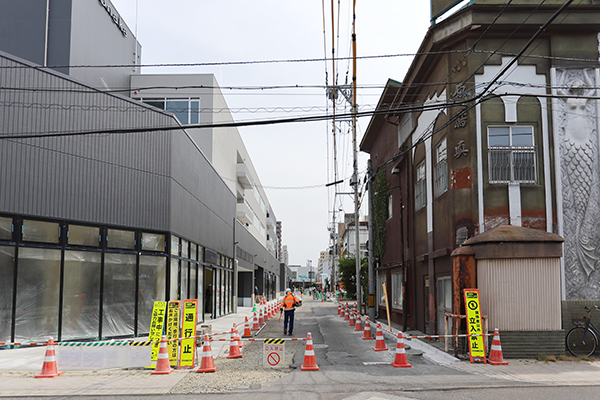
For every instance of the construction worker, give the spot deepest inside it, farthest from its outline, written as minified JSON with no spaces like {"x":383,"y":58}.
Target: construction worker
{"x":288,"y":305}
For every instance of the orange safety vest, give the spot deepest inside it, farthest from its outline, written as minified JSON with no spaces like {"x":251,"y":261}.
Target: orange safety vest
{"x":288,"y":302}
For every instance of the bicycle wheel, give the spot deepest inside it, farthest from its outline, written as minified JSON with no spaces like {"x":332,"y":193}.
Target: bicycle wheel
{"x":581,"y":341}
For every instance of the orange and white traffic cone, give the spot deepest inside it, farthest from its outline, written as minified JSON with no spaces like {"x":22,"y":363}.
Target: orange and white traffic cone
{"x":237,"y":336}
{"x":207,"y":364}
{"x":352,"y":321}
{"x":400,"y":361}
{"x":163,"y":366}
{"x":270,"y":312}
{"x":310,"y":362}
{"x":261,"y":320}
{"x":49,"y":368}
{"x":347,"y":314}
{"x":255,"y":326}
{"x":247,"y":331}
{"x":379,"y":340}
{"x":358,"y":326}
{"x":234,"y":347}
{"x":339,"y":308}
{"x":367,"y":331}
{"x":342,"y":312}
{"x":496,"y":357}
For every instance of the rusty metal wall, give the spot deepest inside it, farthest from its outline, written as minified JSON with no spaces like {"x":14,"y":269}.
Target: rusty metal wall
{"x":520,"y":294}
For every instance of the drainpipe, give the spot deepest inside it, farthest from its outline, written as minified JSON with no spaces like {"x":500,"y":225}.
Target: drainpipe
{"x":46,"y":33}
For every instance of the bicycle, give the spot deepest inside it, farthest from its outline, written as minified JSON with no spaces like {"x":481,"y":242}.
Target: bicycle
{"x":583,"y":339}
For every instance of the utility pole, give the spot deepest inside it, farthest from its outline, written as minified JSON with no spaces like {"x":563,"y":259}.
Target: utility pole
{"x":354,"y":180}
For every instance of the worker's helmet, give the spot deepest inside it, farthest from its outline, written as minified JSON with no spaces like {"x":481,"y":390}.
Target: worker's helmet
{"x":288,"y":290}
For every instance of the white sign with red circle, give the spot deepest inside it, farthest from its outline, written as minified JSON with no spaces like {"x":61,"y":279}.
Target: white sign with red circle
{"x":273,"y":353}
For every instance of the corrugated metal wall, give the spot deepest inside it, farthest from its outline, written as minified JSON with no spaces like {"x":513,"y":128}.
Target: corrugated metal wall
{"x":525,"y":293}
{"x":148,"y":180}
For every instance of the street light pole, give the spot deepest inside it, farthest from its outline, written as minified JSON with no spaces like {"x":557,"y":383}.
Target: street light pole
{"x":355,"y":173}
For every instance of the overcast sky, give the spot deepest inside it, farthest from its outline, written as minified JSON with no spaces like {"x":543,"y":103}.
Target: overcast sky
{"x":294,"y":161}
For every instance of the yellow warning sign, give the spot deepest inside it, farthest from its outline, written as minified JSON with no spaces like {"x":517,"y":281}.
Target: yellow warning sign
{"x":156,"y":328}
{"x":474,"y":329}
{"x":172,"y":329}
{"x":188,"y":330}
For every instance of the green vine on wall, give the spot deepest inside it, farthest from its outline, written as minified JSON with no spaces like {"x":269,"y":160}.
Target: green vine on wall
{"x":381,"y":194}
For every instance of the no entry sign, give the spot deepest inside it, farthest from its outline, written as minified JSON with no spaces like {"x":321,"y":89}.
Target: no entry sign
{"x":273,"y":353}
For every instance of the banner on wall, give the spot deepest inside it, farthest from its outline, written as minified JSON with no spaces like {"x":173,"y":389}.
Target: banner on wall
{"x":187,"y":351}
{"x":172,"y":330}
{"x":474,"y":327}
{"x":156,"y":329}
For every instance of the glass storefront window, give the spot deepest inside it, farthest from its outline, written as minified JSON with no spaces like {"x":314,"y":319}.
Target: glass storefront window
{"x":38,"y":231}
{"x":81,"y":295}
{"x":118,"y":306}
{"x":194,"y":251}
{"x":7,"y":276}
{"x":184,"y":280}
{"x":174,"y":280}
{"x":200,"y":253}
{"x":152,"y":287}
{"x":397,"y":291}
{"x":174,"y":245}
{"x":184,"y":248}
{"x":5,"y":228}
{"x":200,"y":293}
{"x":118,"y":239}
{"x":38,"y":288}
{"x":153,"y":242}
{"x":193,"y":281}
{"x":83,"y":235}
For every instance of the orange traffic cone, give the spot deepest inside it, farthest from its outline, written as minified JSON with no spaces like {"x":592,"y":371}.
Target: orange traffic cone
{"x":347,"y":314}
{"x":270,"y":313}
{"x":496,"y":357}
{"x":310,"y":363}
{"x":207,"y":364}
{"x":247,"y":331}
{"x":367,"y":331}
{"x":234,"y":347}
{"x":379,"y":341}
{"x":261,"y":320}
{"x":339,"y":308}
{"x":163,"y":366}
{"x":342,"y":312}
{"x":49,"y":368}
{"x":237,"y":336}
{"x":358,"y":326}
{"x":255,"y":326}
{"x":400,"y":361}
{"x":352,"y":319}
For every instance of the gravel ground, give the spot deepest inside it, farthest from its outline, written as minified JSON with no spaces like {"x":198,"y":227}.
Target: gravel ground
{"x":238,"y":373}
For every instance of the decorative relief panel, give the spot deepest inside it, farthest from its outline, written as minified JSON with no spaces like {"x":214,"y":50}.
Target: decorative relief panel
{"x":577,"y":135}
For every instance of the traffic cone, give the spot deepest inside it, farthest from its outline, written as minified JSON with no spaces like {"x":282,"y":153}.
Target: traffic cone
{"x":339,"y":308}
{"x":496,"y":357}
{"x":342,"y":312}
{"x":255,"y":326}
{"x":247,"y":331}
{"x":234,"y":347}
{"x":237,"y":336}
{"x":261,"y":320}
{"x":163,"y":366}
{"x":400,"y":361}
{"x":379,"y":341}
{"x":347,"y":314}
{"x":310,"y":363}
{"x":49,"y":368}
{"x":254,"y":308}
{"x":207,"y":364}
{"x":270,"y":309}
{"x":352,"y":321}
{"x":358,"y":326}
{"x":367,"y":331}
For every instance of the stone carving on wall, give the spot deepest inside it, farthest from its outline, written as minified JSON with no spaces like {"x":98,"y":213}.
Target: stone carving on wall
{"x":579,"y":164}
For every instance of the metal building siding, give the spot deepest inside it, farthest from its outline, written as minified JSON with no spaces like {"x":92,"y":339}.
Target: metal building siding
{"x":113,"y":179}
{"x":520,"y":294}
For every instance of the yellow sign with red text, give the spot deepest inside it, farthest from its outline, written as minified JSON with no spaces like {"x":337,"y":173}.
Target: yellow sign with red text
{"x":474,"y":327}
